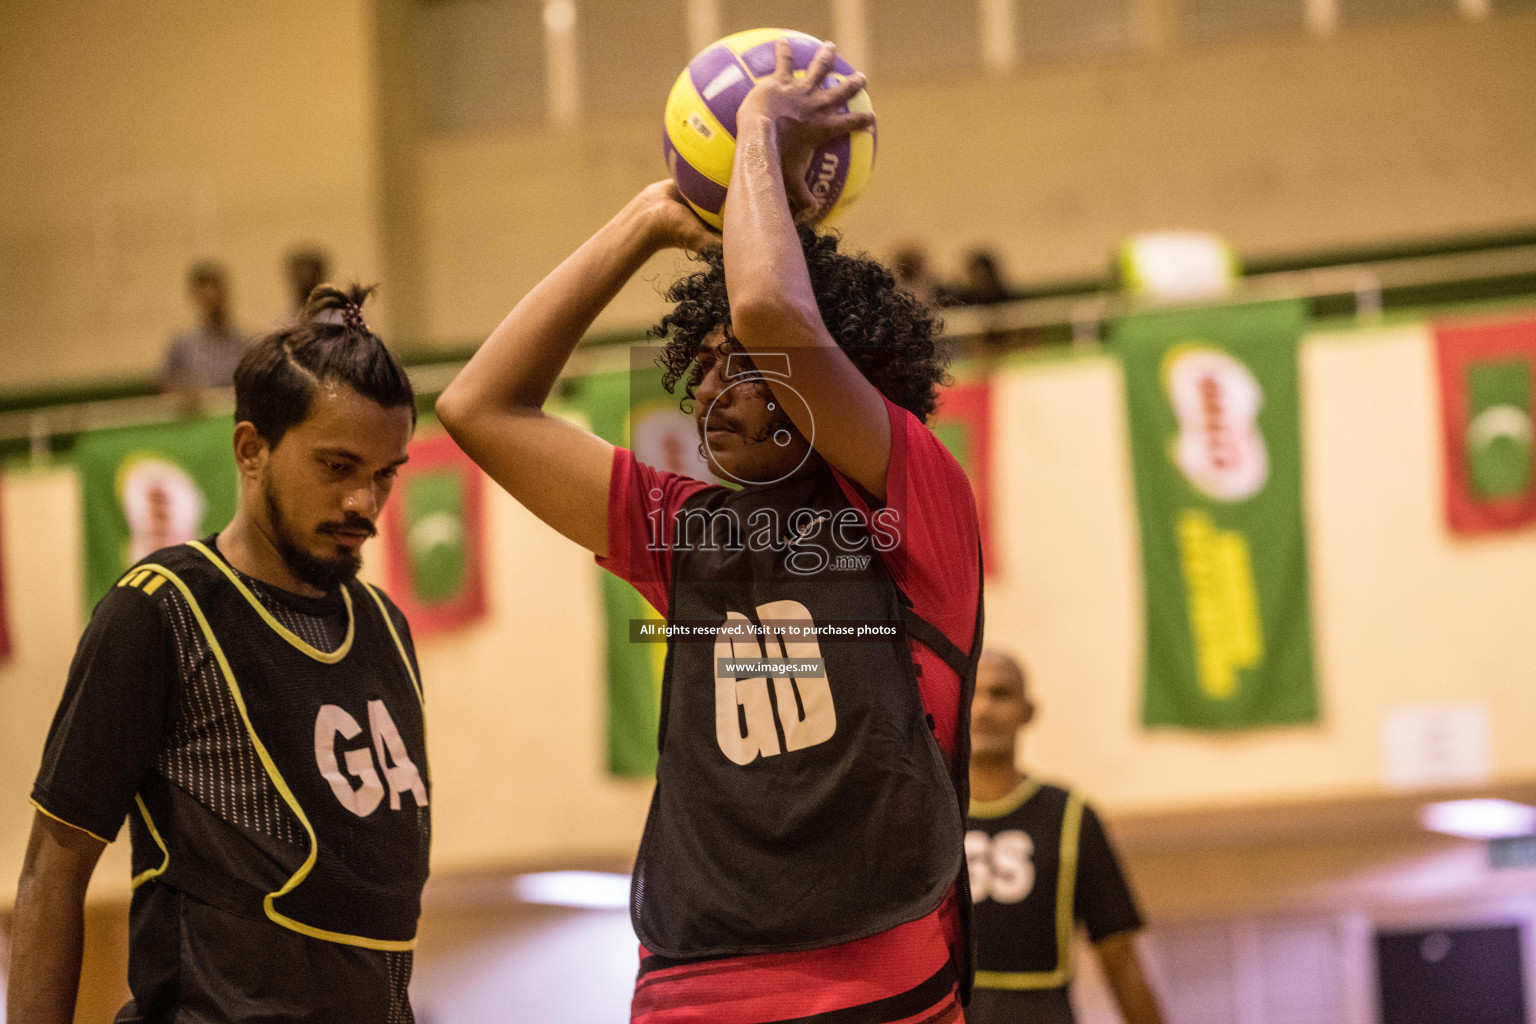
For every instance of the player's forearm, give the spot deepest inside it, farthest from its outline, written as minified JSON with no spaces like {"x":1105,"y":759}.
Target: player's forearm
{"x":1127,"y":980}
{"x":772,"y":303}
{"x":519,"y":363}
{"x":47,"y":940}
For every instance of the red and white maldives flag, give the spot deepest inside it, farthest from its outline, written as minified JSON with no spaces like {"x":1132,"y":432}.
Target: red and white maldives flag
{"x":1487,"y":394}
{"x":434,"y":530}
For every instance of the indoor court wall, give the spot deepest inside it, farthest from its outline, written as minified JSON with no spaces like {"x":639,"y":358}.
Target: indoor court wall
{"x":240,"y":134}
{"x":1404,"y":616}
{"x":1383,"y":134}
{"x":135,"y":138}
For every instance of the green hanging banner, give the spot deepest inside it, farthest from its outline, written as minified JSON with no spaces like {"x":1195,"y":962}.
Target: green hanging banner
{"x":1216,"y":451}
{"x":145,"y":488}
{"x":631,"y":408}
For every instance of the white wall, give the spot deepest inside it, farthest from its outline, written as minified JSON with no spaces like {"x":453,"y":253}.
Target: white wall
{"x":137,"y":137}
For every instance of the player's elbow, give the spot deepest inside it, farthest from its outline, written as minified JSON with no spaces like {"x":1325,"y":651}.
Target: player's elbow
{"x":768,"y":321}
{"x":1118,"y":957}
{"x":751,"y":317}
{"x":453,"y":408}
{"x":460,"y":407}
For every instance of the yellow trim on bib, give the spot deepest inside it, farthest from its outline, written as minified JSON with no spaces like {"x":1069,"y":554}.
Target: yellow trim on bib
{"x":405,"y":660}
{"x":154,"y":833}
{"x":1066,"y":889}
{"x":271,"y":767}
{"x":326,"y":657}
{"x":45,"y":812}
{"x":399,"y":646}
{"x":146,"y":580}
{"x":1005,"y":804}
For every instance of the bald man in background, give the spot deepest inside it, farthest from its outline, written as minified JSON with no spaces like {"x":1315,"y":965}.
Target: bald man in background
{"x":1039,"y":862}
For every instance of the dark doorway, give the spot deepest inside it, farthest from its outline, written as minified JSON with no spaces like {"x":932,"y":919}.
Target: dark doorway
{"x":1451,"y":976}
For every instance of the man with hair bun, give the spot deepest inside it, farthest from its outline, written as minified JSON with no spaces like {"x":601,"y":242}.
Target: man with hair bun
{"x":255,"y":711}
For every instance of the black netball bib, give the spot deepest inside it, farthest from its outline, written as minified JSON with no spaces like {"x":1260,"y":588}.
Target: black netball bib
{"x":341,"y":737}
{"x":804,"y":802}
{"x":1022,"y":851}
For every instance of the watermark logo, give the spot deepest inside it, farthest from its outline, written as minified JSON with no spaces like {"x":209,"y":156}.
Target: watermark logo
{"x":813,"y":540}
{"x":789,"y":412}
{"x":746,"y":425}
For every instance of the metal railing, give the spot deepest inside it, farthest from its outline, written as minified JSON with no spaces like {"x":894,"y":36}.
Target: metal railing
{"x":1364,"y":290}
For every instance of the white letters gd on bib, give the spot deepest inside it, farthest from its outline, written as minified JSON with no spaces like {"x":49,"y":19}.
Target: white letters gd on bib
{"x":810,"y":721}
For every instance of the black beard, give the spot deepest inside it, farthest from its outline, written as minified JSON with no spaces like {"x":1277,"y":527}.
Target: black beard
{"x":766,"y":434}
{"x":763,"y":436}
{"x":322,"y":573}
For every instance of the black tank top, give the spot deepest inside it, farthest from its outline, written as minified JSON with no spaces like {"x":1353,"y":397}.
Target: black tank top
{"x":1023,"y":856}
{"x":800,"y":810}
{"x":340,"y":735}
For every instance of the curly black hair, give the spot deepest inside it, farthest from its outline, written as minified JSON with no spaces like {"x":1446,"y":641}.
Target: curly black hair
{"x":887,"y":332}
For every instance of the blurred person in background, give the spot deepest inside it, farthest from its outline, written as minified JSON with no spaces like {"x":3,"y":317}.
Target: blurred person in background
{"x":205,"y":356}
{"x":1040,"y":862}
{"x":307,"y":266}
{"x":255,"y":712}
{"x":982,"y":286}
{"x":913,"y":273}
{"x":981,"y":283}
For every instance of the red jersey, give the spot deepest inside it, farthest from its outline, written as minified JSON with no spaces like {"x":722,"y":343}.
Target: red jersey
{"x":890,"y":976}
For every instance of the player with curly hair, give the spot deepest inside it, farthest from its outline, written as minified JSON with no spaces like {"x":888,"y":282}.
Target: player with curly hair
{"x":886,"y":333}
{"x":804,"y":850}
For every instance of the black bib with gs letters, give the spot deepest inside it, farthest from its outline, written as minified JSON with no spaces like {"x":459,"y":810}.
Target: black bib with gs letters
{"x":809,"y":808}
{"x":1022,"y":852}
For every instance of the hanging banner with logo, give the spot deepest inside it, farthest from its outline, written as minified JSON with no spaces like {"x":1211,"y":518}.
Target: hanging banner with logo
{"x":1216,"y":452}
{"x":5,"y":625}
{"x":630,"y":408}
{"x":963,"y":422}
{"x":145,"y":488}
{"x":433,"y":530}
{"x":1487,"y":383}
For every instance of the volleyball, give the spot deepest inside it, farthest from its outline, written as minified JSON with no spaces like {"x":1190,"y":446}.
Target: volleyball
{"x":699,"y":142}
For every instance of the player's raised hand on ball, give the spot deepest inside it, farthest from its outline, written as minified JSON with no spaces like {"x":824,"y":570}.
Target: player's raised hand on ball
{"x":671,"y":221}
{"x":806,"y":112}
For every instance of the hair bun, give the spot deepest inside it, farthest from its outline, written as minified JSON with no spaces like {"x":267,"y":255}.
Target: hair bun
{"x":329,"y":304}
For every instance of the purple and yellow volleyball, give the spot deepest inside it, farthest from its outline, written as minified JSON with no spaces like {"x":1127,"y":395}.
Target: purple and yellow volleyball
{"x":700,"y":121}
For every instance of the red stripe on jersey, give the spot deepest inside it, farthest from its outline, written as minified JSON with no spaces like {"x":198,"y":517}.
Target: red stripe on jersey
{"x":901,"y":975}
